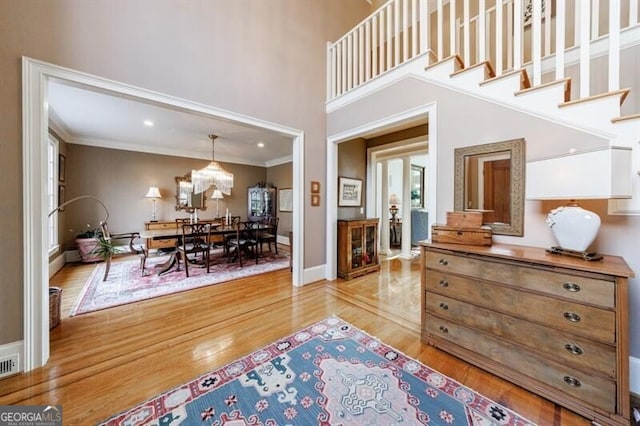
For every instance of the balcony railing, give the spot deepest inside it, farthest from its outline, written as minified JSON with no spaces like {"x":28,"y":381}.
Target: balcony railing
{"x":545,"y":36}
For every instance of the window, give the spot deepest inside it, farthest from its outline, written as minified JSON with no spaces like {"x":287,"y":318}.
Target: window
{"x":52,"y":192}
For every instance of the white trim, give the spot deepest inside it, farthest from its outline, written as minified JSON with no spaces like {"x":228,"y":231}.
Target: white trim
{"x":427,"y":111}
{"x":284,"y":240}
{"x":35,"y":77}
{"x":56,"y":264}
{"x":315,"y":273}
{"x":634,"y":375}
{"x":14,"y":348}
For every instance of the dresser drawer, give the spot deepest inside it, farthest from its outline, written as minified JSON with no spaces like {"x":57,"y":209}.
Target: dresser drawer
{"x":161,"y":243}
{"x":593,"y":289}
{"x":592,"y":389}
{"x":562,"y":346}
{"x":581,"y":320}
{"x":161,"y":225}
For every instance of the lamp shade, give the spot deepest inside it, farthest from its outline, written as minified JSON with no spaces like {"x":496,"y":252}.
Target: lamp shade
{"x":217,"y":195}
{"x":394,"y":199}
{"x":153,"y":192}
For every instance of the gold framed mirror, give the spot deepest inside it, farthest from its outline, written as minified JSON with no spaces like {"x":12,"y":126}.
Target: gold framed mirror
{"x":490,"y":178}
{"x":185,"y":198}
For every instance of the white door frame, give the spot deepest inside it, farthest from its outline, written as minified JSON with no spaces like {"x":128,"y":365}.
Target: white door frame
{"x":35,"y":78}
{"x":428,"y":112}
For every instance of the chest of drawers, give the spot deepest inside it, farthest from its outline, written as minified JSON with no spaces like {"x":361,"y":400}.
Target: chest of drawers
{"x":554,"y":325}
{"x":161,"y":242}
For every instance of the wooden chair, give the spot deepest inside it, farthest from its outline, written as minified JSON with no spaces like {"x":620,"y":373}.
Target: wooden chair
{"x":195,"y":241}
{"x":108,"y":249}
{"x":269,"y":235}
{"x":244,"y":241}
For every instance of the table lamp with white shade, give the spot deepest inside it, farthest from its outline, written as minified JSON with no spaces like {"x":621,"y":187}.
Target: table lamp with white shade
{"x":154,"y":194}
{"x":217,"y":195}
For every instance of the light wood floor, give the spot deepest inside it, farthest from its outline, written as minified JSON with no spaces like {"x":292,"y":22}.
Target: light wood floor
{"x":108,"y":361}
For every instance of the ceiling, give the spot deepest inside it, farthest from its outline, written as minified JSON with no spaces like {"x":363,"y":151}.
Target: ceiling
{"x":90,"y":117}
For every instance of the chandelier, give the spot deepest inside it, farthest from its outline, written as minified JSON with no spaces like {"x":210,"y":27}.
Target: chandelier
{"x":211,"y":175}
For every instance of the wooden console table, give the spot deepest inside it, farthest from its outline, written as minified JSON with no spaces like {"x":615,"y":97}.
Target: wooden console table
{"x":557,"y":326}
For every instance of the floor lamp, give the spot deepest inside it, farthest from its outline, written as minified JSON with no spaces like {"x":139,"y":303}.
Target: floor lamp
{"x":217,"y":195}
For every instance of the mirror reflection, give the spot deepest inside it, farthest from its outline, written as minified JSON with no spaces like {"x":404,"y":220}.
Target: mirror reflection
{"x":490,"y":178}
{"x":185,"y":198}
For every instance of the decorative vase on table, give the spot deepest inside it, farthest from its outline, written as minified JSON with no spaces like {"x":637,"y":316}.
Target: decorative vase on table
{"x":574,"y":228}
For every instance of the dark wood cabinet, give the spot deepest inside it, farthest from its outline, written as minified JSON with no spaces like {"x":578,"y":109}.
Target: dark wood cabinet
{"x":261,"y":203}
{"x":357,"y":247}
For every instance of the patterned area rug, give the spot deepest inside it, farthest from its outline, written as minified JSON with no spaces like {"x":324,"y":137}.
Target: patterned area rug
{"x":330,"y":373}
{"x":126,"y":285}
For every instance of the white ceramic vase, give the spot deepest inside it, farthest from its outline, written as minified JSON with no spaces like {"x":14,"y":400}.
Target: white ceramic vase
{"x":573,"y":227}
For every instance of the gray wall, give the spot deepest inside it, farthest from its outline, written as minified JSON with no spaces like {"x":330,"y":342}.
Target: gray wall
{"x":264,"y":59}
{"x":486,"y":122}
{"x":282,"y":177}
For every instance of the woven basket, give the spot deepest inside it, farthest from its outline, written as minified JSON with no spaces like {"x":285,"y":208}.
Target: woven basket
{"x":55,"y":297}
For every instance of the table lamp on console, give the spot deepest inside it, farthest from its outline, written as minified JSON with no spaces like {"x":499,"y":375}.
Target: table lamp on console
{"x":154,"y":194}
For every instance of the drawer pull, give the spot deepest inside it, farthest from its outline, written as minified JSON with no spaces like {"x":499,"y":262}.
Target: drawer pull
{"x":572,"y":287}
{"x":574,"y":349}
{"x":572,"y":381}
{"x":444,"y":283}
{"x":572,"y":316}
{"x":444,"y":306}
{"x":443,"y":262}
{"x":444,"y":329}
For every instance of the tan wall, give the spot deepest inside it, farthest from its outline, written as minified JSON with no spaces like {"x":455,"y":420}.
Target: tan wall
{"x":486,"y":122}
{"x":264,"y":59}
{"x":352,"y":163}
{"x":121,"y":179}
{"x":281,"y":176}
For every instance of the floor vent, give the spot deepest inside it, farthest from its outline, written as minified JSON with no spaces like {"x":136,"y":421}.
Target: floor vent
{"x":9,"y":365}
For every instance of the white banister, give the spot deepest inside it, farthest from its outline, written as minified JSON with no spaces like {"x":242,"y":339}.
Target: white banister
{"x":560,"y":19}
{"x":585,"y":77}
{"x":452,"y":32}
{"x":466,"y":39}
{"x":399,"y":31}
{"x":482,"y":18}
{"x":614,"y":45}
{"x":517,"y":35}
{"x":499,"y":8}
{"x":536,"y":42}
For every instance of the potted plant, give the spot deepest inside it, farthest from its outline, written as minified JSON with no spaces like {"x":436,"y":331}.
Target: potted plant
{"x":93,"y":246}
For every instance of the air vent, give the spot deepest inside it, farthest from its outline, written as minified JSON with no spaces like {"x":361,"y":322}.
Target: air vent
{"x":9,"y":365}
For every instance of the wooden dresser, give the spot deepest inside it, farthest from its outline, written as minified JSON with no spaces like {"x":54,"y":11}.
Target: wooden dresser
{"x":555,"y":325}
{"x":160,"y":243}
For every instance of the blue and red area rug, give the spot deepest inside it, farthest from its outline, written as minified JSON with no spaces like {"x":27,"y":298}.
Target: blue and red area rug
{"x":330,"y":373}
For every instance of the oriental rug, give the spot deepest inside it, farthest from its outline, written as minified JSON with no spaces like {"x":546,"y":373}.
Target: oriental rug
{"x":126,"y":285}
{"x":329,"y":373}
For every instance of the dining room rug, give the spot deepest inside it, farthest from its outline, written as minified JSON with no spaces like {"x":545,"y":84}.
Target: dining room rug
{"x":330,"y":373}
{"x":126,"y":285}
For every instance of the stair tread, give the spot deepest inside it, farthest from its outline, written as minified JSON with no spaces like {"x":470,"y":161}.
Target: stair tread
{"x":524,"y":81}
{"x":486,"y":64}
{"x":565,"y":81}
{"x":622,"y":93}
{"x":448,"y":58}
{"x":626,"y":118}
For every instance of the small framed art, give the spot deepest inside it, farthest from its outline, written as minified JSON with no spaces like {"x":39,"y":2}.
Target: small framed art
{"x":315,"y":187}
{"x":349,"y":192}
{"x":315,"y":200}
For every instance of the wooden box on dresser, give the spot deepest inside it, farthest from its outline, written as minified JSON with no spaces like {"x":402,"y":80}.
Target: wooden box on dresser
{"x":555,"y":325}
{"x":357,"y":247}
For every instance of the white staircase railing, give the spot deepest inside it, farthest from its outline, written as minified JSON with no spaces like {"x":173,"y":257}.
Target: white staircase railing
{"x":542,"y":36}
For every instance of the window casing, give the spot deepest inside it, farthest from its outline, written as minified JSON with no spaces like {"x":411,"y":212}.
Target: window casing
{"x":53,"y":150}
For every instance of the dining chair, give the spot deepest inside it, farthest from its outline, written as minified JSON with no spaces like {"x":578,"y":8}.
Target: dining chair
{"x":270,"y":234}
{"x":244,"y":241}
{"x":195,"y":241}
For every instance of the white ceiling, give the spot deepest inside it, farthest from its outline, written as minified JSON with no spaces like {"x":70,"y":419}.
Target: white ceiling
{"x":89,"y":117}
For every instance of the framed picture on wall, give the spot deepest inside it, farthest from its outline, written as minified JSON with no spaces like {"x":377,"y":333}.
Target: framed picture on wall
{"x":315,"y":200}
{"x":62,"y":160}
{"x":349,"y":192}
{"x":285,"y":196}
{"x":315,"y":187}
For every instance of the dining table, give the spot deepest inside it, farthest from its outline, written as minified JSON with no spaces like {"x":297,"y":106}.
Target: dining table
{"x":217,"y":229}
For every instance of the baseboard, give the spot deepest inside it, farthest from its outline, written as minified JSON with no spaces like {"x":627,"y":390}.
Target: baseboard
{"x":56,"y":264}
{"x":15,"y":350}
{"x":284,"y":240}
{"x":317,"y":273}
{"x":634,"y":375}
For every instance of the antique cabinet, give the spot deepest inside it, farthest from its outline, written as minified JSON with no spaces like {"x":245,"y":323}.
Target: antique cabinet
{"x":555,"y":325}
{"x":261,"y":203}
{"x":357,"y":247}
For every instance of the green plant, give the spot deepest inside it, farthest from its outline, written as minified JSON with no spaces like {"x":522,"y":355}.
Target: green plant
{"x":105,"y":247}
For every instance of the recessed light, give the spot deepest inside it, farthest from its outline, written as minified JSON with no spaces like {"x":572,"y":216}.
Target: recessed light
{"x":572,"y":151}
{"x":260,"y":144}
{"x":148,"y":123}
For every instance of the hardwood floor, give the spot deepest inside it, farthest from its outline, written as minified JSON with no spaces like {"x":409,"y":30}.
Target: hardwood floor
{"x":108,"y":361}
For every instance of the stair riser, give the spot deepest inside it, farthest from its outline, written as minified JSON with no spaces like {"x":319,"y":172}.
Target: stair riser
{"x":543,"y":100}
{"x":593,"y":113}
{"x":443,"y":70}
{"x":470,"y":79}
{"x":502,"y":88}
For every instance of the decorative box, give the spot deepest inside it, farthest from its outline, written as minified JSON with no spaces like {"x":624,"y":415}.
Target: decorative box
{"x":465,"y":219}
{"x":480,"y":236}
